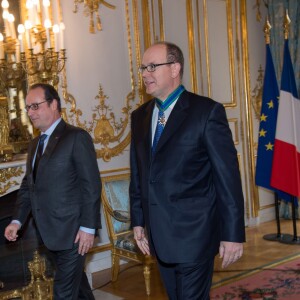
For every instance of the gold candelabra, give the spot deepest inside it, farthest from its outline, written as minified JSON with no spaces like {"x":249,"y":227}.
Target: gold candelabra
{"x":11,"y":72}
{"x":40,"y":286}
{"x":44,"y":66}
{"x":32,"y":53}
{"x":36,"y":52}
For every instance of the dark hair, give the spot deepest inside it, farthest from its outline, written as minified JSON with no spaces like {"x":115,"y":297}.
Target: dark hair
{"x":50,"y":93}
{"x":174,"y":53}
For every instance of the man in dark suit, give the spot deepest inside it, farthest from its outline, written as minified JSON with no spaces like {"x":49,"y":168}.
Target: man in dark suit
{"x":185,"y":185}
{"x":62,"y":192}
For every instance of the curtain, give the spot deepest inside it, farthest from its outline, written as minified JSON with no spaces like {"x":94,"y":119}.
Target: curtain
{"x":276,"y":12}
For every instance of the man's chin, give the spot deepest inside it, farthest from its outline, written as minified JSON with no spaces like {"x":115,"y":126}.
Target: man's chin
{"x":35,"y":123}
{"x":150,"y":91}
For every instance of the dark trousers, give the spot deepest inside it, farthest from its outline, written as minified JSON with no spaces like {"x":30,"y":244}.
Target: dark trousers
{"x":70,"y":281}
{"x":187,"y":281}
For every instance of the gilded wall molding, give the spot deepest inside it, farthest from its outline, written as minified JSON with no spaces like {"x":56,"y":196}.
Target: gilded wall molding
{"x":148,"y":9}
{"x":137,"y":49}
{"x":199,"y":39}
{"x":153,"y":21}
{"x":195,"y":40}
{"x":231,"y":55}
{"x":156,"y":7}
{"x":233,"y":124}
{"x":240,"y":93}
{"x":191,"y":41}
{"x":206,"y":48}
{"x":146,"y":23}
{"x":256,"y":96}
{"x":251,"y":163}
{"x":161,"y":20}
{"x":6,"y":175}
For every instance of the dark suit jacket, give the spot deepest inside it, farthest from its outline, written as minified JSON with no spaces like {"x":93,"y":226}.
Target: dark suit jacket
{"x":189,"y":194}
{"x":66,"y":194}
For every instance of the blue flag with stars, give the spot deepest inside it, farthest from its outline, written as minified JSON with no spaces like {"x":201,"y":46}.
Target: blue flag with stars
{"x":267,"y":127}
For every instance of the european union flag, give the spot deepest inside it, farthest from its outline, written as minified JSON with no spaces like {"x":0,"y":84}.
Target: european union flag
{"x":267,"y":126}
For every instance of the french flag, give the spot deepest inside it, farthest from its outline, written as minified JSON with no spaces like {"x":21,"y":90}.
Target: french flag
{"x":286,"y":160}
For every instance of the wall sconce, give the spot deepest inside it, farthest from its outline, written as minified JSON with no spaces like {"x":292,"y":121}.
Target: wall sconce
{"x":91,"y":8}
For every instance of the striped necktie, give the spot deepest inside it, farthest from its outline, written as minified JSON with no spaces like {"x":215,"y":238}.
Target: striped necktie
{"x":161,"y":121}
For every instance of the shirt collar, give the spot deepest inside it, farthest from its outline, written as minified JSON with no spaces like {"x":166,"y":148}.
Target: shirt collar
{"x":50,"y":130}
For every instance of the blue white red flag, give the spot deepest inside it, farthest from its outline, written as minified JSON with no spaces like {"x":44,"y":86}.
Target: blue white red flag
{"x":286,"y":160}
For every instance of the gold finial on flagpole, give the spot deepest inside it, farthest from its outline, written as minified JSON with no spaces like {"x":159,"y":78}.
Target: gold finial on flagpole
{"x":286,"y":25}
{"x":267,"y":30}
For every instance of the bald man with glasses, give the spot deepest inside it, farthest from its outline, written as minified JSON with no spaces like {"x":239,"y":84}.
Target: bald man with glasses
{"x":61,"y":189}
{"x":185,"y":193}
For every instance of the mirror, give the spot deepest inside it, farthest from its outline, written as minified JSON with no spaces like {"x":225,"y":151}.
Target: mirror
{"x":15,"y":127}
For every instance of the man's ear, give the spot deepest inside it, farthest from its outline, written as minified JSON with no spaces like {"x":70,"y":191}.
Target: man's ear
{"x":175,"y":67}
{"x":54,"y":104}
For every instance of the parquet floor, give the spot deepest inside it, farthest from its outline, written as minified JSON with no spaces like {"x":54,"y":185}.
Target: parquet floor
{"x":258,"y":252}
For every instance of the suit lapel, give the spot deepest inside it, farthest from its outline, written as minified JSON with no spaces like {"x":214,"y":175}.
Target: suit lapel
{"x":144,"y":130}
{"x":175,"y":120}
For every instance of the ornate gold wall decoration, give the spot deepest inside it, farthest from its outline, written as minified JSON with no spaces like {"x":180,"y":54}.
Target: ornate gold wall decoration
{"x":6,"y":175}
{"x":74,"y":113}
{"x":256,"y":96}
{"x":107,"y":129}
{"x":39,"y":288}
{"x":254,"y":204}
{"x":91,"y":8}
{"x":5,"y":148}
{"x":112,"y":134}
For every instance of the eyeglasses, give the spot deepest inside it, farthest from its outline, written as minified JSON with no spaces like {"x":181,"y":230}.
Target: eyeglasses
{"x":152,"y":67}
{"x":33,"y":106}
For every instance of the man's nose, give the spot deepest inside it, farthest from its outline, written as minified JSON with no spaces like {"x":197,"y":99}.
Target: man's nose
{"x":145,"y":73}
{"x":30,"y":112}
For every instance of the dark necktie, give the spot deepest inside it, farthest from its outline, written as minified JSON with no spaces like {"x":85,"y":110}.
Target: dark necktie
{"x":39,"y":154}
{"x":161,"y":122}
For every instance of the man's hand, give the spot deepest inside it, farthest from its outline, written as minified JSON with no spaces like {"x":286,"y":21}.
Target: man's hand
{"x":86,"y":241}
{"x":230,"y":252}
{"x":11,"y":232}
{"x":142,"y":242}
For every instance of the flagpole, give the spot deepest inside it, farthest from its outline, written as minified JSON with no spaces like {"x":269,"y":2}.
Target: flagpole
{"x":276,"y":236}
{"x":289,"y":239}
{"x":277,"y":216}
